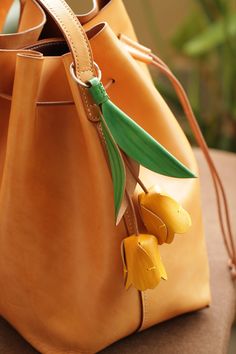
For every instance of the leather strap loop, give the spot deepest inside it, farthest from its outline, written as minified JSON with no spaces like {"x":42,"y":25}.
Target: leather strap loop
{"x":75,"y":36}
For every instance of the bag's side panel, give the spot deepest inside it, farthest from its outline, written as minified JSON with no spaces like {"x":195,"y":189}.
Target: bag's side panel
{"x":5,"y":113}
{"x":61,"y":272}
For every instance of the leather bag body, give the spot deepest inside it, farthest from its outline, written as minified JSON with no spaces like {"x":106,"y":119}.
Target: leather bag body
{"x":61,"y":275}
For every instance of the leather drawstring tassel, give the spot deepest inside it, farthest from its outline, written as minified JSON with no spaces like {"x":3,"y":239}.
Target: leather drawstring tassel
{"x":143,"y":267}
{"x":142,"y":264}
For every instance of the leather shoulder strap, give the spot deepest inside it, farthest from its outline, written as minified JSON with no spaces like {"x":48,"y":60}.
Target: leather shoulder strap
{"x":74,"y":34}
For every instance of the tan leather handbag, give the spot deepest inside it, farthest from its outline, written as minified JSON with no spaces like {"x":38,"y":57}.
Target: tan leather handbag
{"x":61,"y":271}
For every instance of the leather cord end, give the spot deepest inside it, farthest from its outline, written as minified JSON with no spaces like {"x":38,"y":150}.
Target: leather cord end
{"x":232,"y":268}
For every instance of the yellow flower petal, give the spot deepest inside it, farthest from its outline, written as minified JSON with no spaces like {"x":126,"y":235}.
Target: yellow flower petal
{"x":168,"y":210}
{"x":154,"y":224}
{"x":143,"y":266}
{"x":170,"y":236}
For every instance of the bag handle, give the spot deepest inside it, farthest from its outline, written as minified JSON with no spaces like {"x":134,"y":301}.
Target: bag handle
{"x":25,"y":35}
{"x":75,"y":36}
{"x":66,"y":21}
{"x":86,"y":17}
{"x":5,"y":8}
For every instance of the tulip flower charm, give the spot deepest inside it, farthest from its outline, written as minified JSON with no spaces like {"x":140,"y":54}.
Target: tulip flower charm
{"x":143,"y":267}
{"x":123,"y":133}
{"x":163,"y":216}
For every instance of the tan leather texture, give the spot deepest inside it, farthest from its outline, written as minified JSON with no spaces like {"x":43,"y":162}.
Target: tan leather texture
{"x":3,"y":12}
{"x":30,"y":27}
{"x":61,"y":275}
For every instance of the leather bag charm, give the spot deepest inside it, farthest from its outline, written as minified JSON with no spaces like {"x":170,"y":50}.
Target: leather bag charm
{"x":132,"y":140}
{"x":143,"y":267}
{"x":162,"y":215}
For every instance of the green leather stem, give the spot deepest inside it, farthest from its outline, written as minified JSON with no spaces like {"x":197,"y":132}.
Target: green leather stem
{"x":98,"y":91}
{"x":117,"y":167}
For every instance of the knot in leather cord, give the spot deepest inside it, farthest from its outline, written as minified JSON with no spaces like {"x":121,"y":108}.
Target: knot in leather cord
{"x":232,"y":267}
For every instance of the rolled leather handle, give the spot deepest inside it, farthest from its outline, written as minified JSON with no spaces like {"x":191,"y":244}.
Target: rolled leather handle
{"x":29,"y":31}
{"x":68,"y":24}
{"x":84,"y":18}
{"x":5,"y":8}
{"x":97,"y":5}
{"x":75,"y":36}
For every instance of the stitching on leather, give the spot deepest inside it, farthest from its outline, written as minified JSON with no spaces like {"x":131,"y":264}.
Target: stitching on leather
{"x":101,"y":133}
{"x":86,"y":103}
{"x":71,"y":42}
{"x":88,"y":106}
{"x":128,"y":220}
{"x":145,"y":310}
{"x":83,"y":71}
{"x":83,"y":35}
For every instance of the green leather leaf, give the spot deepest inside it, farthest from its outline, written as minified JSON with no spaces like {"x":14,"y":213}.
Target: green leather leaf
{"x":117,"y":167}
{"x":134,"y":140}
{"x":140,"y":146}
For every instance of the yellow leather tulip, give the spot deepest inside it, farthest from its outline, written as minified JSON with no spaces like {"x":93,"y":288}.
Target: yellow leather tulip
{"x":162,"y":215}
{"x":143,"y":267}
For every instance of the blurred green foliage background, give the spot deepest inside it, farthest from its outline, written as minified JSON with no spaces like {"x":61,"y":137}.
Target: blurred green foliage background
{"x":199,"y":44}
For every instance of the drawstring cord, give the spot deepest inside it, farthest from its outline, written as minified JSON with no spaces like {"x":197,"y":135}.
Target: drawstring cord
{"x":144,"y":54}
{"x":218,"y":185}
